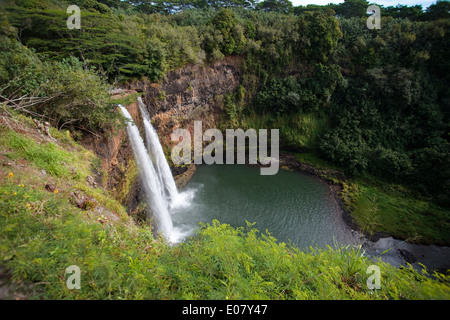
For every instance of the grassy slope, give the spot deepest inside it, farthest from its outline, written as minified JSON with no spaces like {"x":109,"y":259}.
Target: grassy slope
{"x":376,"y":206}
{"x":379,"y":206}
{"x":42,"y":233}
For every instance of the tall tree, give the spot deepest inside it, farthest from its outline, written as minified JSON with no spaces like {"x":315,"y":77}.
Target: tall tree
{"x":284,"y":6}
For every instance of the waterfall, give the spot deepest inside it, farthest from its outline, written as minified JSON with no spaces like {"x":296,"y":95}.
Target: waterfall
{"x":169,"y":188}
{"x":153,"y":187}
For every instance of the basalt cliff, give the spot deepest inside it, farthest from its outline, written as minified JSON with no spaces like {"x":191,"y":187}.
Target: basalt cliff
{"x":195,"y":92}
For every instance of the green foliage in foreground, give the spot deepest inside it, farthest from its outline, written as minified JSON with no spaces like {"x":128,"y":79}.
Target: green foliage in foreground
{"x":44,"y":234}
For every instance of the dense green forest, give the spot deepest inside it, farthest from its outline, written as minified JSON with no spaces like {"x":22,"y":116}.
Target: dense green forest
{"x":377,"y":100}
{"x":371,"y":103}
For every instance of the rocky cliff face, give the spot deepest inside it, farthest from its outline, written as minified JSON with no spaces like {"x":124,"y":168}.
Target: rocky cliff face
{"x":193,"y":93}
{"x":186,"y":95}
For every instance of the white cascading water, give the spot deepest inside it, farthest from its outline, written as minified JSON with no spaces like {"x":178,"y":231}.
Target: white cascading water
{"x":150,"y":180}
{"x":169,"y":188}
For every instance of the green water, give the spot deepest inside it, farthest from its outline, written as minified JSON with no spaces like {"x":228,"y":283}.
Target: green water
{"x":291,"y":206}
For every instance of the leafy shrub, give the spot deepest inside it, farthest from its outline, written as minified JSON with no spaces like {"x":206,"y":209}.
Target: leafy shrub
{"x":64,"y":93}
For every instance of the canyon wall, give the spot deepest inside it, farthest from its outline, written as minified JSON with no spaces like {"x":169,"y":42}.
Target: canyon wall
{"x":195,"y":92}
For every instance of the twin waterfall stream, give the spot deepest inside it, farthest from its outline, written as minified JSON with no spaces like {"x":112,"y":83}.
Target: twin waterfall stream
{"x":159,"y":186}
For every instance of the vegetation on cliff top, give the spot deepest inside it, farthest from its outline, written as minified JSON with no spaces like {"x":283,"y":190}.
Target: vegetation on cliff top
{"x":375,"y":101}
